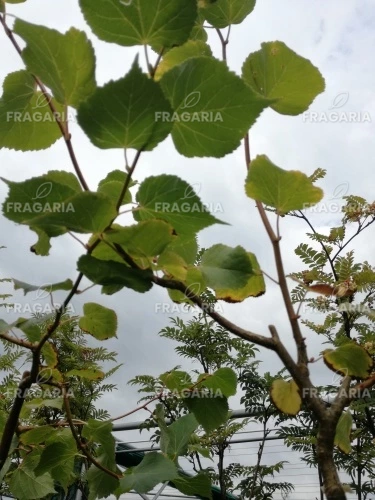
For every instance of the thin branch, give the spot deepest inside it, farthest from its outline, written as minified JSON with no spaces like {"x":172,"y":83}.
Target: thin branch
{"x":207,"y":308}
{"x":275,"y":240}
{"x":303,"y":216}
{"x":224,"y":43}
{"x":141,"y":407}
{"x":77,"y":239}
{"x":16,"y":341}
{"x":128,"y":179}
{"x":149,"y":67}
{"x":359,"y":230}
{"x":63,"y":129}
{"x":270,"y":277}
{"x":77,"y":439}
{"x":156,"y":65}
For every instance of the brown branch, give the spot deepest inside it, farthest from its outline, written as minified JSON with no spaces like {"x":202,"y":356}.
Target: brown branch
{"x":207,"y":308}
{"x":21,"y":429}
{"x":128,"y":178}
{"x":19,"y":342}
{"x":64,"y":131}
{"x":141,"y":407}
{"x":275,"y":240}
{"x":82,"y":446}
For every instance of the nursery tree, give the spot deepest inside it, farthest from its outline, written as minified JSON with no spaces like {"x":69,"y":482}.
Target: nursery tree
{"x":206,"y":116}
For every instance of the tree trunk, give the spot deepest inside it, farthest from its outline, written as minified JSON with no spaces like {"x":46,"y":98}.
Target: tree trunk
{"x":333,"y":489}
{"x":223,"y":490}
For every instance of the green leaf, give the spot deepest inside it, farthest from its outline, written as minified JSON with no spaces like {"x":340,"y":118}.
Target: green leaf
{"x":194,"y":281}
{"x":100,"y":484}
{"x":211,"y":412}
{"x":122,"y":114}
{"x":223,"y":13}
{"x":254,"y":287}
{"x":276,"y":72}
{"x":173,"y":264}
{"x":57,"y":454}
{"x":25,"y":485}
{"x":109,"y":273}
{"x":112,"y":186}
{"x":198,"y":33}
{"x":178,"y":55}
{"x":175,"y":438}
{"x":169,"y":198}
{"x":196,"y":485}
{"x":49,"y":353}
{"x":38,"y":435}
{"x":37,"y":403}
{"x":223,"y":381}
{"x":98,"y":321}
{"x":343,"y":430}
{"x":185,"y":247}
{"x":209,"y":120}
{"x":48,"y":287}
{"x":280,"y":189}
{"x":176,"y":380}
{"x":32,"y":327}
{"x":43,"y":245}
{"x":146,"y":239}
{"x":89,"y":374}
{"x":82,"y":213}
{"x":154,"y":469}
{"x":100,"y":432}
{"x":225,"y":267}
{"x":45,"y":194}
{"x":65,"y":63}
{"x":285,"y":396}
{"x":26,"y":123}
{"x":141,"y":22}
{"x":350,"y":360}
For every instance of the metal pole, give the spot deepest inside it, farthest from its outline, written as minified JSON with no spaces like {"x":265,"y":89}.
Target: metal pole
{"x":136,"y":425}
{"x":233,"y":441}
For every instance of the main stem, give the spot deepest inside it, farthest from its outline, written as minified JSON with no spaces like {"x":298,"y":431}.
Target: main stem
{"x":333,"y":489}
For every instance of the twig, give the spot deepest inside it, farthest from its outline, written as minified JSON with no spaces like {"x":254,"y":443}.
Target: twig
{"x":141,"y":407}
{"x":270,"y":277}
{"x":77,"y":439}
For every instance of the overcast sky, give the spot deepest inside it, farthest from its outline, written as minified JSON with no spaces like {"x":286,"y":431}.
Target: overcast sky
{"x":339,"y":38}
